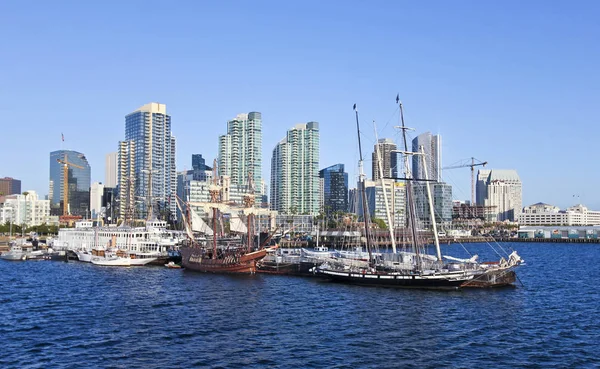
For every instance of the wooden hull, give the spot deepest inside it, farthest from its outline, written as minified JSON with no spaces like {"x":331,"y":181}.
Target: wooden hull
{"x":192,"y":259}
{"x":492,"y":279}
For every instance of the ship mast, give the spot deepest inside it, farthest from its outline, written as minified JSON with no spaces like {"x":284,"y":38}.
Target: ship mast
{"x":385,"y":199}
{"x":409,"y":192}
{"x":214,"y":191}
{"x":363,"y":194}
{"x":249,"y":200}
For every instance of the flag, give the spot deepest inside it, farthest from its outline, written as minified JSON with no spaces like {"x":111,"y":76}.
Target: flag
{"x":63,"y":137}
{"x":354,"y":107}
{"x":397,"y":98}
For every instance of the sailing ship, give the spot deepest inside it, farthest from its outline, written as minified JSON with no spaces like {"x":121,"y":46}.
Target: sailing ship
{"x":415,"y":268}
{"x":222,"y":255}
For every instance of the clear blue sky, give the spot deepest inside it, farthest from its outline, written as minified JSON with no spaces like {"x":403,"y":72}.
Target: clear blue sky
{"x":509,"y":82}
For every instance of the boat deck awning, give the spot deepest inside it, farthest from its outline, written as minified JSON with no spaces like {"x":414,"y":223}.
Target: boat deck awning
{"x":337,"y":234}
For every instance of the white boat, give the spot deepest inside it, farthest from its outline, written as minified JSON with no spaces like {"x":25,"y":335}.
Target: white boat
{"x":109,"y":258}
{"x":84,"y":256}
{"x":15,"y":253}
{"x":149,"y":243}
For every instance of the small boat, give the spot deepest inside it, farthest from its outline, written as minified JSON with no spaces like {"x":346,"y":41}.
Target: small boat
{"x":172,"y":265}
{"x":15,"y":253}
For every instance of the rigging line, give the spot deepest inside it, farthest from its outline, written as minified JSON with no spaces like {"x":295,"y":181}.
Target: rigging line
{"x":389,"y":120}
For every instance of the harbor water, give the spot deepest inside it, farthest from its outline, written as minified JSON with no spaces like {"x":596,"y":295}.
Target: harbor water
{"x":74,"y":315}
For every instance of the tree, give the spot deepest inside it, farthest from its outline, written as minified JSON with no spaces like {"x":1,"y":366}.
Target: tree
{"x":380,"y":223}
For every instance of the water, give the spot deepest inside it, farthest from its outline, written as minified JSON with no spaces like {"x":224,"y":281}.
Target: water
{"x":73,"y":315}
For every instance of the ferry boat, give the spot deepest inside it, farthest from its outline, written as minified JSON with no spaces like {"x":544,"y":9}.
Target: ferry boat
{"x":154,"y":241}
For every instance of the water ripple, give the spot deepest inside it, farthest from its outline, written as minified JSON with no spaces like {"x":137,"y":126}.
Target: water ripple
{"x":69,"y":315}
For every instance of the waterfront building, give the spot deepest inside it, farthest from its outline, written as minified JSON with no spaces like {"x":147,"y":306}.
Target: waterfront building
{"x":79,"y":180}
{"x":111,"y":170}
{"x":333,"y":187}
{"x":240,"y":150}
{"x":501,"y":189}
{"x":432,"y":145}
{"x":396,"y":199}
{"x":9,"y":186}
{"x":295,"y":171}
{"x":541,"y":214}
{"x":25,"y":209}
{"x":561,"y":233}
{"x":385,"y":146}
{"x":127,"y":173}
{"x":96,"y":192}
{"x":149,"y":128}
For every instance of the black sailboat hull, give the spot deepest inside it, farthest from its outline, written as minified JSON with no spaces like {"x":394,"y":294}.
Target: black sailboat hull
{"x":299,"y":269}
{"x":395,"y":280}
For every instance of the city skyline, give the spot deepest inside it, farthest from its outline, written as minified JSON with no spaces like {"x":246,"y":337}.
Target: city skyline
{"x":486,"y":77}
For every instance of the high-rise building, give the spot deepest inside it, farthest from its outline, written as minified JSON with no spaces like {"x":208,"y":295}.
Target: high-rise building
{"x":386,"y":147}
{"x":149,"y":127}
{"x":501,"y":189}
{"x":126,"y":168}
{"x":198,"y":162}
{"x":111,"y":170}
{"x":240,"y":150}
{"x":335,"y":189}
{"x":432,"y":145}
{"x":9,"y":186}
{"x":396,"y":201}
{"x":442,"y":203}
{"x":295,"y":171}
{"x":96,"y":192}
{"x":79,"y":179}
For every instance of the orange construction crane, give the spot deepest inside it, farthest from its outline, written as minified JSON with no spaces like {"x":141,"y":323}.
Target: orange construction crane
{"x":472,"y":165}
{"x":66,"y":164}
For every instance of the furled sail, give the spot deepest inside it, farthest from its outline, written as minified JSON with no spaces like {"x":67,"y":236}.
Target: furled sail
{"x":198,"y":225}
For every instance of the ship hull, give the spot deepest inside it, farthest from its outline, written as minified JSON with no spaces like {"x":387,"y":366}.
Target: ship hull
{"x":300,"y":269}
{"x":396,"y":280}
{"x":492,"y":279}
{"x":192,"y":259}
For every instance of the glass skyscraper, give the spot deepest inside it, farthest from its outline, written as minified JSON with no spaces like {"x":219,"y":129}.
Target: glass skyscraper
{"x":335,"y":189}
{"x":79,"y":183}
{"x":295,"y":171}
{"x":432,"y":145}
{"x":155,"y":178}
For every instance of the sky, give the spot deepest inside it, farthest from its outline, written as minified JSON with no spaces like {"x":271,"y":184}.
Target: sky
{"x":512,"y":83}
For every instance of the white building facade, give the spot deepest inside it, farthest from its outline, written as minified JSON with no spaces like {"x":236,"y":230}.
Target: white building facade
{"x":501,"y":188}
{"x":240,"y":150}
{"x":26,"y":209}
{"x":541,"y":214}
{"x":96,"y":192}
{"x":111,"y":170}
{"x":295,"y":171}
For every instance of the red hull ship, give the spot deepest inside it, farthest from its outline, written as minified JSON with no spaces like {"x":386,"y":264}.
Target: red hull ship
{"x":237,"y":261}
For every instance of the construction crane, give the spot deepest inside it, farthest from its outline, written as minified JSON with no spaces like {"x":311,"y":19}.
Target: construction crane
{"x":472,"y":164}
{"x":66,"y":164}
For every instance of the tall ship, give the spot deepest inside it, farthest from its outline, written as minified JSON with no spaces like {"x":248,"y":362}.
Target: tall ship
{"x":221,"y":254}
{"x":413,"y":267}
